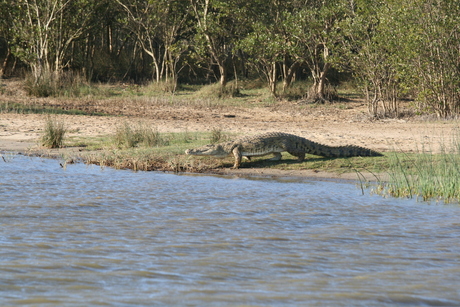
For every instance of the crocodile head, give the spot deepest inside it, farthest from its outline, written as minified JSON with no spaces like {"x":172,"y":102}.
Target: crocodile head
{"x":217,"y":151}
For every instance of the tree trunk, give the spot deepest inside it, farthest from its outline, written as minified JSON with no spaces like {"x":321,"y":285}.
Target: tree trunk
{"x":219,"y":57}
{"x":317,"y":91}
{"x":322,"y":81}
{"x":272,"y":79}
{"x":223,"y":75}
{"x":109,"y":39}
{"x":6,"y":62}
{"x":289,"y":74}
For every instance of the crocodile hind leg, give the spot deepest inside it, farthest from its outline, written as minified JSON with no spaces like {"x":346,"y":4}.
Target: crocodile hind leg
{"x":300,"y":156}
{"x":276,"y":156}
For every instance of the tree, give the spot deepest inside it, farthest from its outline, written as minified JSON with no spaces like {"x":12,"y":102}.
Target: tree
{"x":174,"y":28}
{"x":432,"y":47}
{"x":144,"y":21}
{"x":267,"y":42}
{"x":34,"y":29}
{"x":318,"y":35}
{"x":215,"y":30}
{"x":44,"y":30}
{"x":158,"y":25}
{"x":6,"y":35}
{"x":372,"y":47}
{"x":407,"y":47}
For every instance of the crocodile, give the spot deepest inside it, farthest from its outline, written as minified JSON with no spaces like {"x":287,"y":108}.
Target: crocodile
{"x":275,"y":143}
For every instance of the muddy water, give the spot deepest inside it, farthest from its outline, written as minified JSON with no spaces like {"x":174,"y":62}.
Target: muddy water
{"x":85,"y":236}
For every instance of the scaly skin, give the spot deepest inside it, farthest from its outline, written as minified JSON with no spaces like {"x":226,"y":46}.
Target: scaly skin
{"x":275,"y":143}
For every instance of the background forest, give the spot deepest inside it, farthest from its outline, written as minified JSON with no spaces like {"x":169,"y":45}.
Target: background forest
{"x":390,"y":50}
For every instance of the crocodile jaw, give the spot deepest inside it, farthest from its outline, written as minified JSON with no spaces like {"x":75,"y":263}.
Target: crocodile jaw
{"x":208,"y":150}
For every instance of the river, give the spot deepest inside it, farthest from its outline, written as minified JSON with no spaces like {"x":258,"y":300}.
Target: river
{"x":82,"y":235}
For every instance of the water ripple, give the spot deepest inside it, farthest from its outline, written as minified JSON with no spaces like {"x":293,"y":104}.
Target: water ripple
{"x":86,"y":236}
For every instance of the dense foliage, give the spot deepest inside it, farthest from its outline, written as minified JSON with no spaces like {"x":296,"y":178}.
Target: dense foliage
{"x":391,"y":49}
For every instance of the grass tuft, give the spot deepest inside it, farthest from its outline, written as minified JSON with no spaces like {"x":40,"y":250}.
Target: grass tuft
{"x":62,"y":84}
{"x":164,"y":86}
{"x":217,"y":136}
{"x":215,"y":90}
{"x":127,"y":136}
{"x":54,"y":133}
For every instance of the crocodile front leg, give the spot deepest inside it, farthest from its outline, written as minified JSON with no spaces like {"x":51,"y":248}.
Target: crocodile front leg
{"x":237,"y":154}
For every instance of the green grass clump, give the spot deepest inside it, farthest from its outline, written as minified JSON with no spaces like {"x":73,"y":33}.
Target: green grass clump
{"x":54,"y":133}
{"x":127,"y":136}
{"x":425,"y":175}
{"x":58,"y":84}
{"x":215,"y":90}
{"x":164,"y":86}
{"x":217,"y":136}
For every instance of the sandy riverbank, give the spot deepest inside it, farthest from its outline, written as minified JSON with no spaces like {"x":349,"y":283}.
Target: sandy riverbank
{"x":20,"y":132}
{"x":335,"y":124}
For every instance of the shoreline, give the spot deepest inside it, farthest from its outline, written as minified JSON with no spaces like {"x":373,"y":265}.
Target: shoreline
{"x":336,"y":124}
{"x":188,"y":121}
{"x":28,"y":148}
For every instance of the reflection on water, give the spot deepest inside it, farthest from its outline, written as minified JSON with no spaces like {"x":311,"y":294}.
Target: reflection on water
{"x":86,"y":236}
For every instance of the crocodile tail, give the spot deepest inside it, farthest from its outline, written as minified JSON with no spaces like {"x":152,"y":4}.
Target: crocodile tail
{"x":339,"y":151}
{"x":349,"y":151}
